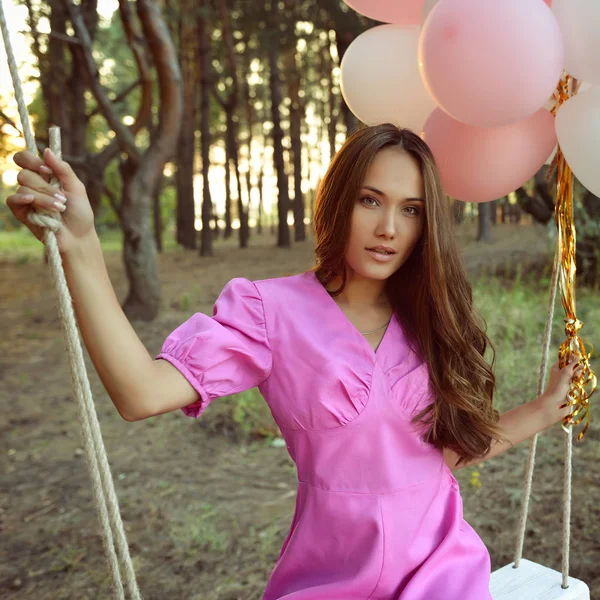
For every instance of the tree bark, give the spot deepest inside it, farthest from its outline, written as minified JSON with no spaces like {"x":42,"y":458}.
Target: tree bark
{"x":459,"y":212}
{"x":157,"y":219}
{"x":142,"y":177}
{"x":494,"y":212}
{"x":247,"y":98}
{"x":283,"y":238}
{"x":333,"y":103}
{"x":141,"y":171}
{"x":343,"y":39}
{"x":260,"y":202}
{"x":227,"y":233}
{"x":185,"y":212}
{"x":233,"y":156}
{"x":229,"y":105}
{"x":66,"y":110}
{"x":139,"y":249}
{"x":206,"y":235}
{"x":484,"y":229}
{"x":296,"y":115}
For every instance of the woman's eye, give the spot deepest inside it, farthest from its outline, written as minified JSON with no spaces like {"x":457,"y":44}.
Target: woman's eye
{"x":370,"y":201}
{"x":366,"y":198}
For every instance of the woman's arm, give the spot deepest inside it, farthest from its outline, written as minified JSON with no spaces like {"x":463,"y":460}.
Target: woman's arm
{"x":517,"y":424}
{"x":524,"y":421}
{"x":139,"y":386}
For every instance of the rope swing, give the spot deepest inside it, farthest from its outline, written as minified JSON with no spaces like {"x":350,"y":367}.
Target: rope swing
{"x":114,"y":539}
{"x":532,"y":580}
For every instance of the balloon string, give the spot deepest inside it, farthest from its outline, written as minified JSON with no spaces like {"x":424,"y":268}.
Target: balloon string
{"x":584,"y":383}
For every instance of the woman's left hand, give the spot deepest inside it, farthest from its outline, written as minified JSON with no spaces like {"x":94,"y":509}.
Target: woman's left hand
{"x":558,"y":387}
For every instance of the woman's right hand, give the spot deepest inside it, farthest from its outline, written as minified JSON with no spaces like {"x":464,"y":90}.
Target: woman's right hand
{"x":35,"y":191}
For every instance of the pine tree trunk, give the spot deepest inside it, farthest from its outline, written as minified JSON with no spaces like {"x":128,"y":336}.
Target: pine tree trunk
{"x":152,"y":47}
{"x":233,"y":161}
{"x":333,"y":106}
{"x":228,"y":225}
{"x":296,"y":116}
{"x":139,"y":250}
{"x":249,"y":124}
{"x":283,"y":238}
{"x":260,"y":202}
{"x":459,"y":212}
{"x":484,"y":229}
{"x":343,"y":39}
{"x":206,"y":236}
{"x":78,"y":112}
{"x":494,"y":212}
{"x":185,"y":212}
{"x":157,"y":216}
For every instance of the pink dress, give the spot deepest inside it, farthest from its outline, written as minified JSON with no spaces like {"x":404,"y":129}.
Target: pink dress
{"x":378,"y":513}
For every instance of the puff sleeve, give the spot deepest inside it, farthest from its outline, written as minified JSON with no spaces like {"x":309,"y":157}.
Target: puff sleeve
{"x":226,"y":353}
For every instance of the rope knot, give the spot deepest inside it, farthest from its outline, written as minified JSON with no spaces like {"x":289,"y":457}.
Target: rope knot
{"x":45,"y":219}
{"x":572,"y":327}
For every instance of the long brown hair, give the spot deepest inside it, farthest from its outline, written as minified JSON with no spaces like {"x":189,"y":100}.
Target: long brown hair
{"x":430,"y":294}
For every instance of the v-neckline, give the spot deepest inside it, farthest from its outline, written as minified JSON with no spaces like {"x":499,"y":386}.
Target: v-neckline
{"x":374,"y":353}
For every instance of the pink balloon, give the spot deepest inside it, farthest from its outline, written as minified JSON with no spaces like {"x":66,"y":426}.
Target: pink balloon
{"x":402,"y":12}
{"x":479,"y":164}
{"x":491,"y":62}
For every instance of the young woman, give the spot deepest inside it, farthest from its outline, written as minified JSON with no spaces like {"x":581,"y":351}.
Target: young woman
{"x":372,"y":364}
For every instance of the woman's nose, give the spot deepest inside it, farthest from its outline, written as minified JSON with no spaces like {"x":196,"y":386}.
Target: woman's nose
{"x":387,"y":225}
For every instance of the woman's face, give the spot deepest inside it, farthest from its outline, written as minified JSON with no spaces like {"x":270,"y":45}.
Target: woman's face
{"x":390,"y":211}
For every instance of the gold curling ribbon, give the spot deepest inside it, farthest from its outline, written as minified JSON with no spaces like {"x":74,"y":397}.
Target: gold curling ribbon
{"x":584,"y":383}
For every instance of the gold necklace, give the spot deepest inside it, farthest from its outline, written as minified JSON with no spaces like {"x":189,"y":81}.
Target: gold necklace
{"x":374,"y":330}
{"x":365,"y":332}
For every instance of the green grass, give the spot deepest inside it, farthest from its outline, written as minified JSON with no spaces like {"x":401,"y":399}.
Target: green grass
{"x":515,"y":313}
{"x":204,"y":532}
{"x":21,"y":245}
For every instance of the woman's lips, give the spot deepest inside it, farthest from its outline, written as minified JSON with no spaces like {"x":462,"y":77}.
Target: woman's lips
{"x":381,"y":257}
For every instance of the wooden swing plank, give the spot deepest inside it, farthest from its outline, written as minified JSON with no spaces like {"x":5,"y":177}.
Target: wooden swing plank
{"x":534,"y":582}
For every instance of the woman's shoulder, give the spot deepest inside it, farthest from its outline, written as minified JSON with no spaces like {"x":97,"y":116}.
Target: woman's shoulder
{"x":283,"y":283}
{"x":284,"y":287}
{"x":286,"y":294}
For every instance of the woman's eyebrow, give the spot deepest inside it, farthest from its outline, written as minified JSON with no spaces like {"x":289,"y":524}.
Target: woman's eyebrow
{"x":380,"y":193}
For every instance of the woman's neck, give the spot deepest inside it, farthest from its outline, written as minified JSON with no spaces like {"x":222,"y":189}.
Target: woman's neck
{"x":360,"y":293}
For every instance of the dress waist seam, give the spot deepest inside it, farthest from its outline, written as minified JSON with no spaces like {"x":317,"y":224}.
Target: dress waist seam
{"x":388,"y":493}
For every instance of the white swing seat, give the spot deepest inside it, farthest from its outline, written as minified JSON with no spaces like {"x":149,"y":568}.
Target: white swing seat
{"x":534,"y":582}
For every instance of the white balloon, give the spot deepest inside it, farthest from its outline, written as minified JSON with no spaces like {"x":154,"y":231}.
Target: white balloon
{"x":578,"y":131}
{"x":579,"y":21}
{"x":381,"y":81}
{"x":583,"y":86}
{"x":427,"y":8}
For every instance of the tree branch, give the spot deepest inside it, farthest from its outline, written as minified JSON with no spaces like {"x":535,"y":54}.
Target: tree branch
{"x":68,"y":39}
{"x":34,"y":34}
{"x":9,"y":121}
{"x":113,"y":202}
{"x":228,"y":37}
{"x":139,"y":51}
{"x":170,"y":87}
{"x":119,"y":98}
{"x":124,"y":136}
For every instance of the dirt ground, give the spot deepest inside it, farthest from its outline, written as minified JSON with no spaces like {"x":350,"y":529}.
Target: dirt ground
{"x":205,"y":511}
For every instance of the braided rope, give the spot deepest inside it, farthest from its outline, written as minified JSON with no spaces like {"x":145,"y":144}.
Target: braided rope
{"x":103,"y":490}
{"x":567,"y":472}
